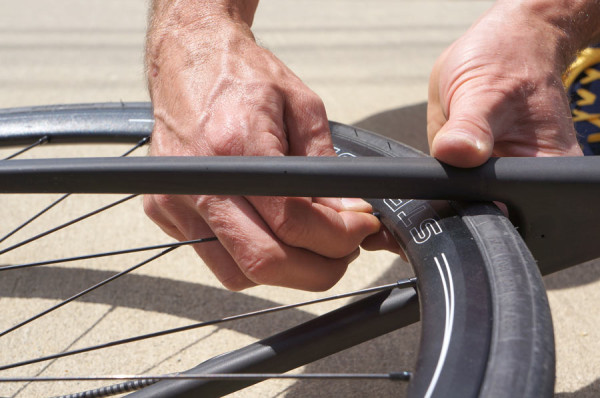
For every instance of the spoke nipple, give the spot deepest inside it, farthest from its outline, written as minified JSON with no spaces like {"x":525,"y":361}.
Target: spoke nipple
{"x":403,"y":283}
{"x":400,"y":376}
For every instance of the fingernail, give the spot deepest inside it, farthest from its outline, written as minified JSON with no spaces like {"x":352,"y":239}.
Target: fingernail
{"x":355,"y":204}
{"x":467,"y":138}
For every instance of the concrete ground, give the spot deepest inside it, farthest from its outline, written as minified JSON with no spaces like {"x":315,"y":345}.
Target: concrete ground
{"x":368,"y":60}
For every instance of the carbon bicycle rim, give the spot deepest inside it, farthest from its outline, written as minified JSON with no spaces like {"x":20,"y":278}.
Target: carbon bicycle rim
{"x":486,"y":327}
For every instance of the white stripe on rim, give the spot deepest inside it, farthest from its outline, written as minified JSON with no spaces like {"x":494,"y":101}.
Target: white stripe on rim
{"x":449,"y":301}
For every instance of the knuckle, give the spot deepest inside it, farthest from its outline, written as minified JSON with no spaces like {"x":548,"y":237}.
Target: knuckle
{"x":314,"y":109}
{"x":288,"y":225}
{"x":165,"y":202}
{"x":321,"y":145}
{"x":315,"y":101}
{"x":152,"y":206}
{"x":236,"y":283}
{"x":316,"y":106}
{"x":319,"y":128}
{"x":205,"y":201}
{"x":226,"y":143}
{"x":288,"y":230}
{"x":263,"y":267}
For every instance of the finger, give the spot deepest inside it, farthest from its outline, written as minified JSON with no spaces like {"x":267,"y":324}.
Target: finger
{"x":463,"y":142}
{"x":383,"y":240}
{"x":178,"y":218}
{"x":346,"y":204}
{"x":261,"y":256}
{"x":314,"y":224}
{"x":300,"y":222}
{"x":160,"y":218}
{"x":307,"y":125}
{"x":218,"y":260}
{"x":457,"y":122}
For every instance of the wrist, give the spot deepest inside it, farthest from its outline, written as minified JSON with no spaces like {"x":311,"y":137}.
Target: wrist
{"x":567,"y":26}
{"x":177,"y":14}
{"x":195,"y":27}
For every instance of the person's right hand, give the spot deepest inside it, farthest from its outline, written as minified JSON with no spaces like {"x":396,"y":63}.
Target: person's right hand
{"x":215,"y":92}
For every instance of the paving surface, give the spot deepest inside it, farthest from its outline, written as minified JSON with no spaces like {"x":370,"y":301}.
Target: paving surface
{"x":368,"y":60}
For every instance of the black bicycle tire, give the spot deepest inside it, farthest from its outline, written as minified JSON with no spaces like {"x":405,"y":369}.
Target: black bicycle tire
{"x":514,"y":287}
{"x":518,"y":296}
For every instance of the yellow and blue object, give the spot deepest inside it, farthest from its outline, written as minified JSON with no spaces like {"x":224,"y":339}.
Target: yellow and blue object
{"x":582,"y":82}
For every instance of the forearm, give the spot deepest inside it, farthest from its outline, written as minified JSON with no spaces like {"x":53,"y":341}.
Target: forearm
{"x":169,"y":13}
{"x":567,"y":26}
{"x":578,"y":19}
{"x":205,"y":22}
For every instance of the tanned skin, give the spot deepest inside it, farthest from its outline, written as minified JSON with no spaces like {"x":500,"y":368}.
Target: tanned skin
{"x":497,"y":91}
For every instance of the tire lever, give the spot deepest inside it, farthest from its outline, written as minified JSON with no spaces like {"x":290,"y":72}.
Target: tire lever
{"x":551,"y":200}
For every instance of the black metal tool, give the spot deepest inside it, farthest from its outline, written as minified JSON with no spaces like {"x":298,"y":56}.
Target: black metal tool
{"x":551,"y":200}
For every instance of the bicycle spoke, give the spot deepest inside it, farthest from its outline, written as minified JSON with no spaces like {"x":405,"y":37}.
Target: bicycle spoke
{"x":86,"y":291}
{"x":483,"y":290}
{"x":34,"y":217}
{"x":75,"y":341}
{"x":405,"y":283}
{"x":140,"y":143}
{"x":178,"y":352}
{"x":395,"y":376}
{"x":62,"y":226}
{"x":39,"y":142}
{"x":106,"y":254}
{"x":137,"y":382}
{"x":43,"y":140}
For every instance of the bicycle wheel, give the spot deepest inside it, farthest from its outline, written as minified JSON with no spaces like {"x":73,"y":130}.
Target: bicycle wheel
{"x":486,"y":327}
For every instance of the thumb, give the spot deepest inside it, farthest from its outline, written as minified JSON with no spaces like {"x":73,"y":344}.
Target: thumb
{"x":458,"y":127}
{"x":462,"y":141}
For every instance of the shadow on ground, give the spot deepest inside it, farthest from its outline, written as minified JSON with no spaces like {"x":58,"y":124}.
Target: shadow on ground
{"x":395,"y":351}
{"x":589,"y":391}
{"x":579,"y":275}
{"x":391,"y":352}
{"x":182,"y":299}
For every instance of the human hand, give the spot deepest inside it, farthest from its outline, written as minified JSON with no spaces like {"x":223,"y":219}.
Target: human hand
{"x":497,"y":91}
{"x":215,"y":92}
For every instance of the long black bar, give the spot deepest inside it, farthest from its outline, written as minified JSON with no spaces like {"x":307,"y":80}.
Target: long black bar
{"x":552,"y":199}
{"x":425,"y":178}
